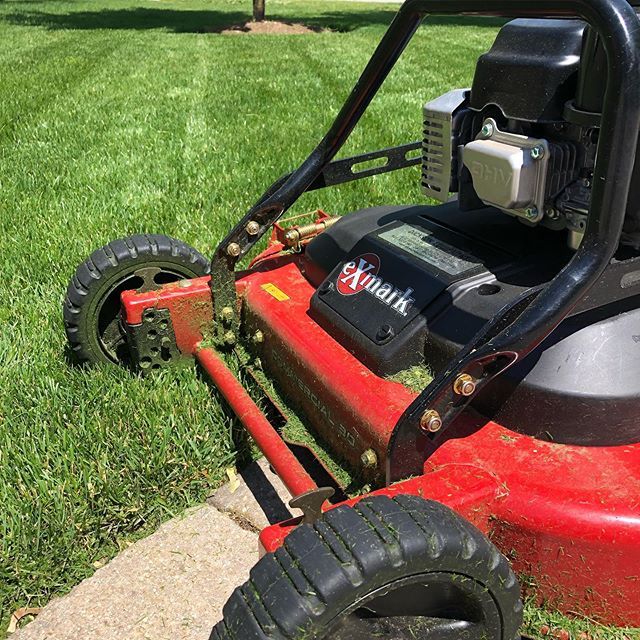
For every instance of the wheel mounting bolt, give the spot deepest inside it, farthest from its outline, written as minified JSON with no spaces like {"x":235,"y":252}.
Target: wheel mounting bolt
{"x":431,"y":421}
{"x":464,"y":385}
{"x":252,"y":228}
{"x":369,"y":458}
{"x":233,"y":249}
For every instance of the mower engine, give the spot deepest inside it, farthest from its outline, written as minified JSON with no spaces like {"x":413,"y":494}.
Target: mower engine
{"x":520,"y":140}
{"x":512,"y":159}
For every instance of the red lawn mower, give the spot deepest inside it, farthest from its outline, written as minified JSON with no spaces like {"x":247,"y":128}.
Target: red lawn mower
{"x":520,"y":293}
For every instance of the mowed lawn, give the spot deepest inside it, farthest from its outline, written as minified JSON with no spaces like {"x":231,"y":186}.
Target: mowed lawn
{"x":119,"y":117}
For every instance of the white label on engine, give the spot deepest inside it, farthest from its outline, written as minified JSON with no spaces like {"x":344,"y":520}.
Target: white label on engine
{"x":422,"y":244}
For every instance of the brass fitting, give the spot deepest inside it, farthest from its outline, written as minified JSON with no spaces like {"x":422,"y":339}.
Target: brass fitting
{"x":294,"y":236}
{"x":233,"y":249}
{"x":464,"y":385}
{"x":369,"y":458}
{"x":252,"y":228}
{"x":431,"y":421}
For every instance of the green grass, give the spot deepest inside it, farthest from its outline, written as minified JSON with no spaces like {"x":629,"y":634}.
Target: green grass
{"x":119,"y":117}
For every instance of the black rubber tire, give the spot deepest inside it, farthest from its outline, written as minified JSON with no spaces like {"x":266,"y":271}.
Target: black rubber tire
{"x":99,"y":279}
{"x":301,"y":590}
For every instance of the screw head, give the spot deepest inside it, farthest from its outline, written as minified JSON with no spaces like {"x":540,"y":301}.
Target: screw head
{"x":233,"y":249}
{"x":464,"y":385}
{"x":537,"y":152}
{"x":487,"y":129}
{"x":431,"y":421}
{"x":384,"y":332}
{"x":252,"y":227}
{"x":531,"y":212}
{"x":369,"y":458}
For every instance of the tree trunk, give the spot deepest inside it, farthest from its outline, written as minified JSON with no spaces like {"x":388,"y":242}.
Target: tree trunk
{"x":258,"y":10}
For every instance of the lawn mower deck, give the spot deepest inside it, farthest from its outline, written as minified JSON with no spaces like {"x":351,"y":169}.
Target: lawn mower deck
{"x":565,"y":515}
{"x":518,"y":298}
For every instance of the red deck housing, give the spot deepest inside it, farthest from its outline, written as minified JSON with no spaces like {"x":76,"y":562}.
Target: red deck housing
{"x":568,"y":517}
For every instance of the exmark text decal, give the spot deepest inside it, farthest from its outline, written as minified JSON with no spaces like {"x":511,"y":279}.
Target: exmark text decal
{"x":361,"y":274}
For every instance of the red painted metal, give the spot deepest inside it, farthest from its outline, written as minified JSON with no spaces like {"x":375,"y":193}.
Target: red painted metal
{"x":286,"y":465}
{"x":189,"y":304}
{"x":317,"y":373}
{"x":567,"y":516}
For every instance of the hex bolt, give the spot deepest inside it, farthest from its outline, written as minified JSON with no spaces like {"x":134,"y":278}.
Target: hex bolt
{"x":384,"y":332}
{"x":252,"y":228}
{"x":233,"y":249}
{"x":369,"y":458}
{"x":487,"y":129}
{"x":325,"y":287}
{"x":464,"y":385}
{"x":537,"y":152}
{"x":230,"y":338}
{"x":258,"y":337}
{"x":431,"y":421}
{"x":227,"y":314}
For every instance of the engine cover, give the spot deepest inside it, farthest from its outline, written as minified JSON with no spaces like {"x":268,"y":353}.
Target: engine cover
{"x":407,"y":280}
{"x":509,"y":171}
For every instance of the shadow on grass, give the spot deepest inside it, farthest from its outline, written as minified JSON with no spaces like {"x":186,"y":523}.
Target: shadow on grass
{"x":190,"y":21}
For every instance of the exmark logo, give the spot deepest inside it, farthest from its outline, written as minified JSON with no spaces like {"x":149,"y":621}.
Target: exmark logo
{"x":361,"y":274}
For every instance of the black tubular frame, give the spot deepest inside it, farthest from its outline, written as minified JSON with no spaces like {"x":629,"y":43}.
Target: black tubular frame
{"x":523,"y":325}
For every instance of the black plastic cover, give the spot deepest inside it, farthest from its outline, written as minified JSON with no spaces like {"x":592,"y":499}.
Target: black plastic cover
{"x":531,"y":70}
{"x":399,"y":279}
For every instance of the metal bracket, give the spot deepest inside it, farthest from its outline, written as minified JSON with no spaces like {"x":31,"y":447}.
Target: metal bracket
{"x":265,"y":213}
{"x":153,"y":343}
{"x":311,"y":503}
{"x":422,"y":427}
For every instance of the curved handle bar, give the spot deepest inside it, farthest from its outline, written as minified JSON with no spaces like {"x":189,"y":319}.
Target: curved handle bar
{"x":491,"y":352}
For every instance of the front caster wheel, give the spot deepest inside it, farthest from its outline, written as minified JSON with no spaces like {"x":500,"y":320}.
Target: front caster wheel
{"x":91,"y":309}
{"x":402,"y":568}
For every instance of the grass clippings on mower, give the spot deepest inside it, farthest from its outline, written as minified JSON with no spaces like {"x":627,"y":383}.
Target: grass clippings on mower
{"x":415,"y":378}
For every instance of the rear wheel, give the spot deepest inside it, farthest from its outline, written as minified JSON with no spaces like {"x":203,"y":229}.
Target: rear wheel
{"x":91,"y":308}
{"x":402,"y":568}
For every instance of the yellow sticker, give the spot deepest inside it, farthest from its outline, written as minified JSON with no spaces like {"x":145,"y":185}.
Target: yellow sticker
{"x":278,"y":294}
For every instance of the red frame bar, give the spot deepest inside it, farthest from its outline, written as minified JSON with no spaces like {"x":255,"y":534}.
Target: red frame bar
{"x":285,"y":464}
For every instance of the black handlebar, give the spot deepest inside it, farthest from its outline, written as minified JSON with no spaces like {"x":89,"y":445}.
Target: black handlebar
{"x":518,"y":329}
